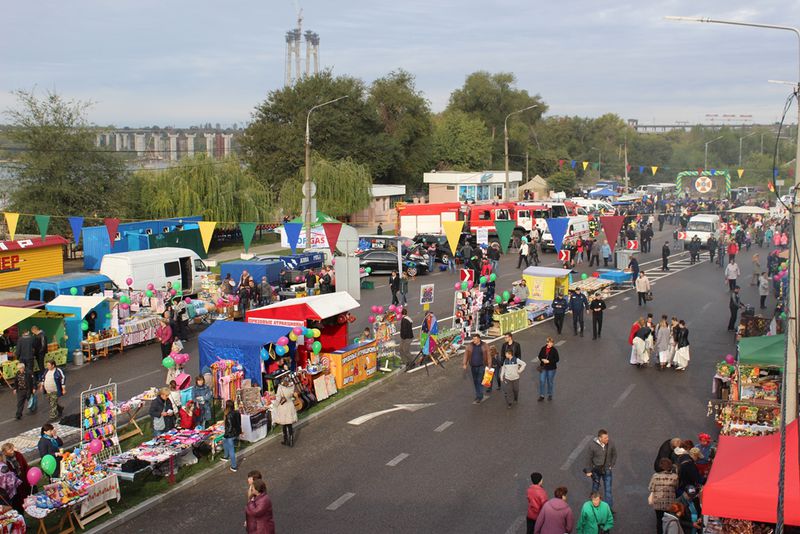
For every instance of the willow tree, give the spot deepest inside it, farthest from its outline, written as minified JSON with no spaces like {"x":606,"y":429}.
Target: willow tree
{"x":343,"y":187}
{"x":219,"y":190}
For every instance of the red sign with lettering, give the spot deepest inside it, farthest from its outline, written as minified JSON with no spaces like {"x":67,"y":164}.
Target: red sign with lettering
{"x":9,"y":263}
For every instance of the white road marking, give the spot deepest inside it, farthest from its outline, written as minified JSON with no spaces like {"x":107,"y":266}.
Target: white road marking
{"x":444,"y":426}
{"x":624,"y":396}
{"x":558,"y":344}
{"x":577,"y":452}
{"x":340,"y":501}
{"x":516,"y":525}
{"x":397,"y":407}
{"x":397,"y":459}
{"x":705,"y":306}
{"x":626,"y":298}
{"x":614,"y":307}
{"x":157,"y":371}
{"x":420,"y":368}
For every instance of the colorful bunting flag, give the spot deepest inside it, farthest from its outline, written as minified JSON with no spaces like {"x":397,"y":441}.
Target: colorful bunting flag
{"x":248,"y":230}
{"x":452,"y":230}
{"x":504,"y":231}
{"x":740,"y":172}
{"x":76,"y":223}
{"x":641,"y":169}
{"x":654,"y":168}
{"x":42,"y":221}
{"x":572,"y":163}
{"x":11,"y":222}
{"x":111,"y":227}
{"x":611,"y":225}
{"x":771,"y":186}
{"x":206,"y":232}
{"x":713,"y":172}
{"x":292,"y":230}
{"x":332,"y":231}
{"x":560,"y":164}
{"x":628,"y":167}
{"x":585,"y":164}
{"x":558,"y":229}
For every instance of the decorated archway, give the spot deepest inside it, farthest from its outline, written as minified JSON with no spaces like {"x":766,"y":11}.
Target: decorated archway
{"x":704,"y":182}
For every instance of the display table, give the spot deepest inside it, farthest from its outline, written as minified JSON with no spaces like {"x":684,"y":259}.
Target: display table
{"x":591,"y":285}
{"x":101,"y":347}
{"x":615,"y":276}
{"x":139,"y":329}
{"x":12,"y":522}
{"x":255,"y":426}
{"x":511,"y":321}
{"x":95,"y":503}
{"x":65,"y":525}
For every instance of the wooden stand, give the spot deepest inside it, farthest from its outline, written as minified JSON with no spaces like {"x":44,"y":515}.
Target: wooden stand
{"x":135,"y":431}
{"x":61,"y":529}
{"x":100,"y":511}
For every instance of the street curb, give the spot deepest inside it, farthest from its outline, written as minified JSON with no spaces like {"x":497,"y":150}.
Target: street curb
{"x":221,"y":466}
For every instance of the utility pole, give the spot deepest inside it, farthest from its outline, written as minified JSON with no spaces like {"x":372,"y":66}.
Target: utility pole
{"x":626,"y":161}
{"x":505,"y":136}
{"x":527,"y":177}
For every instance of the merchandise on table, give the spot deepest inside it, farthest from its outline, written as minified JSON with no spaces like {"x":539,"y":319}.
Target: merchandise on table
{"x":99,"y":419}
{"x":12,"y":522}
{"x":165,"y":446}
{"x":227,"y":379}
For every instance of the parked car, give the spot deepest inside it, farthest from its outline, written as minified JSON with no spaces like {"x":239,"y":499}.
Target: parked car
{"x":157,"y":266}
{"x":442,"y":247}
{"x":384,"y":261}
{"x":47,"y":288}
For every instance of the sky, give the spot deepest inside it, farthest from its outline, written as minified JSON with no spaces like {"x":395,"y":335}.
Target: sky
{"x":182,"y":63}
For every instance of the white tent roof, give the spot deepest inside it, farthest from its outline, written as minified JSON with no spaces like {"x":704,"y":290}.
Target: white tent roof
{"x":324,"y":306}
{"x":749,"y":209}
{"x":85,"y":303}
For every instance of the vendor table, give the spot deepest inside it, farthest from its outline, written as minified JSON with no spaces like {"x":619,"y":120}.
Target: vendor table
{"x":95,"y":503}
{"x":65,"y":525}
{"x":512,"y":321}
{"x":94,"y":349}
{"x":12,"y":522}
{"x":618,"y":277}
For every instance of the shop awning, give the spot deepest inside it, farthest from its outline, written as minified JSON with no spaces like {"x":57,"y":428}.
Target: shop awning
{"x":762,"y":350}
{"x":546,"y":271}
{"x":85,"y":303}
{"x":315,"y":308}
{"x":743,"y":483}
{"x":11,"y":316}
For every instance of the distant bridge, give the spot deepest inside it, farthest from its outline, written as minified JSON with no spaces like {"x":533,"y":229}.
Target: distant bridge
{"x":171,"y":145}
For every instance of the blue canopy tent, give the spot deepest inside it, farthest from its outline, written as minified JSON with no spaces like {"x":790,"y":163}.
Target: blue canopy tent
{"x":602,"y":193}
{"x":240,"y":342}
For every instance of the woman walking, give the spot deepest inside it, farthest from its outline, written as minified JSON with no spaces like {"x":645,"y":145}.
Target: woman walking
{"x":284,"y":413}
{"x":394,"y":286}
{"x":164,"y":335}
{"x":662,"y":491}
{"x":258,"y":512}
{"x":595,"y":516}
{"x":682,"y":355}
{"x":663,"y":339}
{"x":548,"y":363}
{"x":233,"y":429}
{"x":555,"y":517}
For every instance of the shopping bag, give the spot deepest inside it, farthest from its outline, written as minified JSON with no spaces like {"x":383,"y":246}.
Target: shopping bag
{"x":488,"y":375}
{"x":33,"y":402}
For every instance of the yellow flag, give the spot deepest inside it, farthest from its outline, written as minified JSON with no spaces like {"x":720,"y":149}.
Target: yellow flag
{"x":11,"y":222}
{"x":740,"y":172}
{"x":206,"y":231}
{"x":654,"y":168}
{"x":585,"y":164}
{"x":452,"y":229}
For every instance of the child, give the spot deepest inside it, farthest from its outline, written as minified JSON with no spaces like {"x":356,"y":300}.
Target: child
{"x":189,"y":414}
{"x":174,"y":393}
{"x":509,"y":376}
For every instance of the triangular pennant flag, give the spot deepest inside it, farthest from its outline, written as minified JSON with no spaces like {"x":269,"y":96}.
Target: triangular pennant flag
{"x":628,"y":167}
{"x":791,"y":171}
{"x":11,"y":222}
{"x":641,"y":169}
{"x":774,"y":172}
{"x":504,"y":231}
{"x":572,"y":163}
{"x":452,"y":230}
{"x":42,"y":221}
{"x":611,"y":225}
{"x":332,"y":230}
{"x":770,"y":186}
{"x":713,"y":172}
{"x":111,"y":226}
{"x":654,"y":168}
{"x":558,"y":229}
{"x":206,"y":232}
{"x":560,"y":164}
{"x":699,"y":171}
{"x":585,"y":164}
{"x":740,"y":172}
{"x":595,"y":166}
{"x":76,"y":223}
{"x":292,"y":230}
{"x":248,"y":230}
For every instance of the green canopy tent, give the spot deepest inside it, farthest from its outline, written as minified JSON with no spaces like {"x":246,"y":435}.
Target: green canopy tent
{"x":763,"y":351}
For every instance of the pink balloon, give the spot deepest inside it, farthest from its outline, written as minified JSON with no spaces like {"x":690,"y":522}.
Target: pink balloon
{"x":129,"y":282}
{"x":398,"y":309}
{"x":151,"y":287}
{"x":34,"y":475}
{"x":124,"y":306}
{"x":361,"y":269}
{"x":392,"y":308}
{"x":283,"y":340}
{"x":187,"y":300}
{"x":172,"y":292}
{"x":457,"y":286}
{"x":380,"y":309}
{"x":777,"y":277}
{"x":729,"y":358}
{"x":374,"y":309}
{"x":470,"y":284}
{"x":220,"y":303}
{"x":333,"y":261}
{"x":371,"y":319}
{"x":298,"y":330}
{"x":95,"y":446}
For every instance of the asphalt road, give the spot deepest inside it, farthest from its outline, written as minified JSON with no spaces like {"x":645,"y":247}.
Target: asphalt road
{"x":458,"y":467}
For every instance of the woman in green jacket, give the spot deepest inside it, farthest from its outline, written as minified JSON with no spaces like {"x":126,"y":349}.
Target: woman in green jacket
{"x":595,"y":516}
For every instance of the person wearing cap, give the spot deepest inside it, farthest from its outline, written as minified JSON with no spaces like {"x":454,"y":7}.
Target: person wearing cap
{"x":537,"y":496}
{"x":579,"y":305}
{"x":477,"y":359}
{"x":692,"y":519}
{"x":708,"y":450}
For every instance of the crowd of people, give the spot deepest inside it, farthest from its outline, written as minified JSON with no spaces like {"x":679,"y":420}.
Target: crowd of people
{"x":665,"y":344}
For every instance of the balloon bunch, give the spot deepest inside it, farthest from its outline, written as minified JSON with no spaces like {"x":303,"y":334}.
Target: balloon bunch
{"x":180,"y":358}
{"x":506,"y":296}
{"x":783,"y":273}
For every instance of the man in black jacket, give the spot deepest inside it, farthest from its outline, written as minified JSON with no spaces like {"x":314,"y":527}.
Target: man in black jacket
{"x":665,"y":257}
{"x":39,"y":348}
{"x":597,"y":305}
{"x":394,"y":286}
{"x":406,"y":336}
{"x":559,"y":310}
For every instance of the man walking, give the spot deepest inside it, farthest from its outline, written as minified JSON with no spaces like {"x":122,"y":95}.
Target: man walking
{"x":665,"y":257}
{"x":559,"y":310}
{"x":394,"y":286}
{"x":578,"y":305}
{"x":509,"y":375}
{"x":732,"y":273}
{"x":39,"y":349}
{"x":523,"y":254}
{"x":406,"y":336}
{"x":594,"y":253}
{"x":763,"y":289}
{"x":493,"y":254}
{"x":24,"y":349}
{"x":22,"y":384}
{"x":537,"y":496}
{"x":642,"y":288}
{"x":597,"y":305}
{"x":600,"y":462}
{"x":476,"y":357}
{"x":734,"y":305}
{"x":54,"y":385}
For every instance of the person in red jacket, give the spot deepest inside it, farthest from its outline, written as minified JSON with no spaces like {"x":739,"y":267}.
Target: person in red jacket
{"x":258,"y":512}
{"x":537,"y":496}
{"x":733,"y":248}
{"x":189,"y":414}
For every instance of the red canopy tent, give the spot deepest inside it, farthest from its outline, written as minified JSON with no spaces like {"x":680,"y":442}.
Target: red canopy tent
{"x":743,"y":483}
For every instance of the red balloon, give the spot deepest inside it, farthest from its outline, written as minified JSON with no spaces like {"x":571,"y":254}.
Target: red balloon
{"x":595,"y":275}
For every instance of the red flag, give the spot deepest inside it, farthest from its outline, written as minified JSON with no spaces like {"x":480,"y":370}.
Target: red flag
{"x":111,"y":226}
{"x":560,"y":164}
{"x":332,"y":234}
{"x":611,"y":226}
{"x":771,"y":186}
{"x":699,"y":170}
{"x":628,"y":167}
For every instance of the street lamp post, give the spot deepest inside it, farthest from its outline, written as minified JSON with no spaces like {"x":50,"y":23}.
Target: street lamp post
{"x":705,"y":160}
{"x":309,"y":194}
{"x":740,"y":146}
{"x":599,"y":159}
{"x":789,"y":386}
{"x":505,"y":136}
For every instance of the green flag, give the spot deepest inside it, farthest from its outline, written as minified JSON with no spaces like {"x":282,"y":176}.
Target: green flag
{"x":504,"y":231}
{"x":247,"y":229}
{"x":42,"y":221}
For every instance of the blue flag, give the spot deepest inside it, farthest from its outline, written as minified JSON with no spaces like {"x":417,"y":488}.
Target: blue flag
{"x":292,"y":230}
{"x":641,"y":169}
{"x":713,"y":172}
{"x":558,"y":229}
{"x":572,"y":163}
{"x":76,"y":223}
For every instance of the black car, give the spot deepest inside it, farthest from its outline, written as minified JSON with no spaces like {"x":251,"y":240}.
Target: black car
{"x":442,"y":247}
{"x":385,"y":261}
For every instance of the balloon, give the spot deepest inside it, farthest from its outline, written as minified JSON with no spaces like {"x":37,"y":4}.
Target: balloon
{"x":470,"y":284}
{"x":108,"y":316}
{"x":341,"y":319}
{"x":129,"y":282}
{"x":498,"y":299}
{"x":179,"y":293}
{"x":595,"y":275}
{"x":149,"y":293}
{"x":176,"y":285}
{"x":783,"y":315}
{"x":492,"y":277}
{"x":371,"y":319}
{"x":297,"y":330}
{"x":352,"y":318}
{"x":151,"y":287}
{"x":316,"y":333}
{"x":316,"y":347}
{"x":124,"y":299}
{"x":168,"y":363}
{"x":506,"y":295}
{"x":482,"y":280}
{"x":368,"y":270}
{"x":172,"y":292}
{"x":95,"y":446}
{"x":584,"y":276}
{"x":84,"y":325}
{"x":374,"y":309}
{"x":777,"y":278}
{"x":457,"y":286}
{"x":125,"y":305}
{"x":73,"y":291}
{"x":34,"y":475}
{"x":283,"y":340}
{"x":392,"y":307}
{"x":296,"y":278}
{"x":280,"y":350}
{"x":187,"y":300}
{"x":306,"y":332}
{"x":292,"y":336}
{"x":48,"y":464}
{"x":516,"y":300}
{"x":333,"y":261}
{"x":729,"y":358}
{"x":464,"y":285}
{"x":398,"y":309}
{"x":361,"y":270}
{"x":356,"y":339}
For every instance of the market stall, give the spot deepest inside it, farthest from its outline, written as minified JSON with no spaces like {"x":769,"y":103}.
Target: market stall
{"x":102,"y":337}
{"x":544,"y":283}
{"x":353,"y":363}
{"x":51,"y":323}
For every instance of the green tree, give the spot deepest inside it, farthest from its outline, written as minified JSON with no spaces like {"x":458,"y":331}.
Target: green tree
{"x":563,"y":180}
{"x":405,"y":117}
{"x":460,"y":142}
{"x":60,"y":171}
{"x":274,"y":142}
{"x":219,"y":190}
{"x":343,"y":187}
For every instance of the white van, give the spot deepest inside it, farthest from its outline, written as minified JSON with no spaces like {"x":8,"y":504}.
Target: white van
{"x":702,"y":226}
{"x":156,"y":266}
{"x":578,"y":227}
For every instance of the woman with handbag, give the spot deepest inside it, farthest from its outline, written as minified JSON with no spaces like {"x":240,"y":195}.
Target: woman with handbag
{"x":163,"y":413}
{"x":284,"y":412}
{"x":662,"y":491}
{"x":596,"y":516}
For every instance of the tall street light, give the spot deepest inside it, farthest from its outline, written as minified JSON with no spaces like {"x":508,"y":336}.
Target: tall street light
{"x":789,"y":386}
{"x":740,"y":146}
{"x":705,"y":160}
{"x":505,"y":135}
{"x":599,"y":158}
{"x":307,"y":186}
